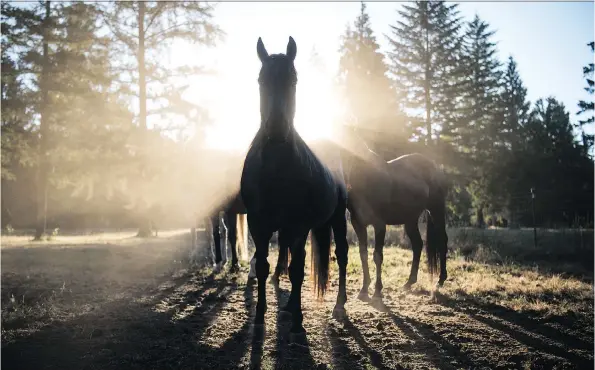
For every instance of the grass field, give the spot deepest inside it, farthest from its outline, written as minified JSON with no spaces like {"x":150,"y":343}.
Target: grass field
{"x":108,"y":301}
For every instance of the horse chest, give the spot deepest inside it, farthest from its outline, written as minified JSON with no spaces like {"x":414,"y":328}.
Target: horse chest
{"x":285,"y":188}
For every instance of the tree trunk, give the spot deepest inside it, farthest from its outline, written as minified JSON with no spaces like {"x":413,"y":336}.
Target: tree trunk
{"x":142,"y":83}
{"x":43,"y":160}
{"x":145,"y":230}
{"x":480,"y":217}
{"x":145,"y":227}
{"x":428,"y":76}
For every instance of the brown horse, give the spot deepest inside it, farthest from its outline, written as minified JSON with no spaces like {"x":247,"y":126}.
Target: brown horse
{"x":395,"y":193}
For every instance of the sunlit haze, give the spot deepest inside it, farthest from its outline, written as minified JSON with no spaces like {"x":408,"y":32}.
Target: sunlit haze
{"x":231,"y":96}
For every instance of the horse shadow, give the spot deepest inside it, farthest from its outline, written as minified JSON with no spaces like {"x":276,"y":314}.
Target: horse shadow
{"x":133,"y":334}
{"x":526,"y":327}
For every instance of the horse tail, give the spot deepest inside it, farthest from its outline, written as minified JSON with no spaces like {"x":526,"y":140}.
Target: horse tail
{"x":242,"y":235}
{"x":436,"y":238}
{"x":320,"y":257}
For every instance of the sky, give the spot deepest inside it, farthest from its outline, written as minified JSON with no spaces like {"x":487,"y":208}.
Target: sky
{"x":547,"y":39}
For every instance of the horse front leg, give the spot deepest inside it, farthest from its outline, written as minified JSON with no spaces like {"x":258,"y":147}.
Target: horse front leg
{"x":261,"y":238}
{"x":297,"y":245}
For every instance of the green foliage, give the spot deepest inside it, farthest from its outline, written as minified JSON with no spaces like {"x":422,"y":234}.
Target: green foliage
{"x":363,"y":77}
{"x":72,"y":82}
{"x":424,"y":63}
{"x":143,"y":32}
{"x":587,"y":106}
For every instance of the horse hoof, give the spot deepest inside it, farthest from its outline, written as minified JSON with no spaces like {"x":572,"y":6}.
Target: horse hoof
{"x":339,"y":313}
{"x":440,"y":284}
{"x":218,"y":267}
{"x":234,"y":268}
{"x":275,"y":280}
{"x":285,"y":315}
{"x":407,"y":287}
{"x":378,"y":304}
{"x":363,"y":296}
{"x":259,"y":319}
{"x":296,"y":331}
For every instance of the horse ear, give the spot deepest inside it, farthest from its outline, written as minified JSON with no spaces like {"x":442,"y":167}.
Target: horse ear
{"x":291,"y":49}
{"x":262,"y":52}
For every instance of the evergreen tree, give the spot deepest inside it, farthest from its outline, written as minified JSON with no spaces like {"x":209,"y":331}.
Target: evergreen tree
{"x":555,"y":163}
{"x":363,"y":77}
{"x":587,"y":106}
{"x":64,"y":63}
{"x":479,"y":127}
{"x":424,"y":60}
{"x":513,"y":109}
{"x":17,"y":136}
{"x":144,"y":30}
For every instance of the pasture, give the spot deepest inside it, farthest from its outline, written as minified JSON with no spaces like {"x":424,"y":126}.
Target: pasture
{"x":112,"y":301}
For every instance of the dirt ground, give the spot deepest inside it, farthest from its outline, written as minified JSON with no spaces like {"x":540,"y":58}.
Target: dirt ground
{"x":116,"y":302}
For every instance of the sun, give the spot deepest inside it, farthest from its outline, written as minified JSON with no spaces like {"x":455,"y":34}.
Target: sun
{"x":233,"y":105}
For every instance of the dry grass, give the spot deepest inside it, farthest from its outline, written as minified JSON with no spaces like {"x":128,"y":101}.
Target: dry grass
{"x":114,"y":301}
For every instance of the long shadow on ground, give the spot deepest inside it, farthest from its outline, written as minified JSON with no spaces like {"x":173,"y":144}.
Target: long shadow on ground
{"x":133,"y":335}
{"x":569,"y":338}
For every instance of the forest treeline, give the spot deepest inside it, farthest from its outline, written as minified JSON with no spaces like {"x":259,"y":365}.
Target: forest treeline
{"x":81,"y":83}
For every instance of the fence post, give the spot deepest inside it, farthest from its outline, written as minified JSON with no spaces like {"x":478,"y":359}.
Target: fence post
{"x":534,"y":224}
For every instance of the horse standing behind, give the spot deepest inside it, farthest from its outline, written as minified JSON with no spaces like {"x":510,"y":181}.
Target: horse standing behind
{"x":234,"y":218}
{"x":395,"y":193}
{"x":287,"y":189}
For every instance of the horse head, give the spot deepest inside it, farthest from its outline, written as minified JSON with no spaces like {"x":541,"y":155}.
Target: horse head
{"x":277,"y":83}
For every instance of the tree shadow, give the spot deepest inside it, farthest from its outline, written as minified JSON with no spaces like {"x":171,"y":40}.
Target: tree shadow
{"x":503,"y":319}
{"x":291,"y":351}
{"x":374,"y":356}
{"x":342,"y":356}
{"x":131,"y":333}
{"x":436,"y":349}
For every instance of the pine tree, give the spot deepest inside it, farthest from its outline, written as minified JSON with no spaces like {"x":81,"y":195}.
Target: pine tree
{"x":17,"y":136}
{"x":424,"y":60}
{"x":144,"y":30}
{"x":479,"y":127}
{"x":587,"y":106}
{"x":555,"y":163}
{"x":363,"y":77}
{"x":75,"y":114}
{"x":514,"y":110}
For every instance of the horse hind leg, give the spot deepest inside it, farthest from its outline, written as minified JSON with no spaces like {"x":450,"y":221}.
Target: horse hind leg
{"x":362,"y":238}
{"x":232,"y":227}
{"x":215,"y":229}
{"x":339,"y":227}
{"x":439,"y":239}
{"x":379,"y":236}
{"x":412,"y":231}
{"x":282,"y":264}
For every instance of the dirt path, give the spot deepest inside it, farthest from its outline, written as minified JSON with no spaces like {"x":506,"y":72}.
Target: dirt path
{"x":189,"y":320}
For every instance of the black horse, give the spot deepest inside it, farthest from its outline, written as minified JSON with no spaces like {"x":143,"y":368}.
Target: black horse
{"x":234,"y":226}
{"x":287,"y":189}
{"x":234,"y":218}
{"x":395,"y":193}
